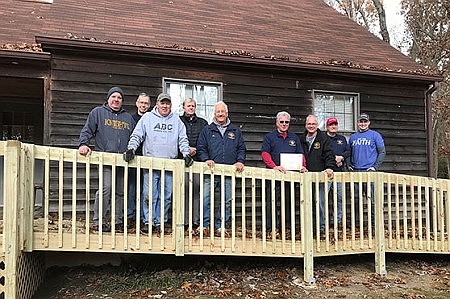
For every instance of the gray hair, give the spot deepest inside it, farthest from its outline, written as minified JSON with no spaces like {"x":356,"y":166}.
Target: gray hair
{"x":310,"y":116}
{"x":221,"y":103}
{"x":283,"y":113}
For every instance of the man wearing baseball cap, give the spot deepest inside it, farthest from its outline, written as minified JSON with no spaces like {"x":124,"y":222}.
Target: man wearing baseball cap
{"x":339,"y":143}
{"x":367,"y":153}
{"x":162,"y":135}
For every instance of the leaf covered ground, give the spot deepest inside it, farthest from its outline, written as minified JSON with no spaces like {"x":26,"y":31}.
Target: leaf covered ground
{"x":151,"y":276}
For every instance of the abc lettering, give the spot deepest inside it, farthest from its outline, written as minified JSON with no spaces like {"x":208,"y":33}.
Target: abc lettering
{"x":117,"y":124}
{"x":361,"y":141}
{"x":163,"y":127}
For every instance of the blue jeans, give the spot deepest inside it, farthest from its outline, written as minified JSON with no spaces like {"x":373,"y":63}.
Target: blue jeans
{"x":107,"y":186}
{"x":156,"y":197}
{"x":278,"y":211}
{"x":321,"y":205}
{"x":372,"y":199}
{"x":132,"y":178}
{"x":339,"y":200}
{"x":207,"y":201}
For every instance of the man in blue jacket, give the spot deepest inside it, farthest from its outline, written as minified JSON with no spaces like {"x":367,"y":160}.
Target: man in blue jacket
{"x":220,"y":142}
{"x":278,"y":142}
{"x":339,"y":143}
{"x":111,"y":126}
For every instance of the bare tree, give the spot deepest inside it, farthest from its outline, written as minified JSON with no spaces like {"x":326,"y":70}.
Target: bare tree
{"x":428,"y":24}
{"x":368,"y":13}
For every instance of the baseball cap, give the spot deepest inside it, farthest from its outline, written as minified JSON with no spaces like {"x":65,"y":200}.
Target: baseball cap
{"x":164,"y":96}
{"x":332,"y":120}
{"x":364,"y":116}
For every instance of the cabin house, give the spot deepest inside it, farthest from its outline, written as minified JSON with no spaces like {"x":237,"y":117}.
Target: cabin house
{"x":58,"y":58}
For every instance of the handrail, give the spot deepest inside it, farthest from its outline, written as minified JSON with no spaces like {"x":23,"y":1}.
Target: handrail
{"x":396,"y":213}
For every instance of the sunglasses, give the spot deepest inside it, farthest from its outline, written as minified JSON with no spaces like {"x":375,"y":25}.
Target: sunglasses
{"x":283,"y":122}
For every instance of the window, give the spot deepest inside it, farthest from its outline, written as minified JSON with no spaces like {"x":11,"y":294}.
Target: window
{"x":206,"y":94}
{"x":341,"y":105}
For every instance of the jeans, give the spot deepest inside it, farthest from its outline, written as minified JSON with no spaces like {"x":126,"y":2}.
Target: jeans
{"x":278,"y":211}
{"x":339,"y":200}
{"x":207,"y":202}
{"x":107,"y":185}
{"x":156,"y":197}
{"x":132,"y":194}
{"x":321,"y":205}
{"x":357,"y":201}
{"x":195,"y":199}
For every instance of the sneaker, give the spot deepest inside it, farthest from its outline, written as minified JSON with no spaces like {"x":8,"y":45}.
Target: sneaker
{"x":144,"y":228}
{"x":105,"y":228}
{"x":156,"y":229}
{"x":119,"y":227}
{"x":218,"y":233}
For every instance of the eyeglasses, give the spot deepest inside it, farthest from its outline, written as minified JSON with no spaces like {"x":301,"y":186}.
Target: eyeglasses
{"x":283,"y":122}
{"x":363,"y":121}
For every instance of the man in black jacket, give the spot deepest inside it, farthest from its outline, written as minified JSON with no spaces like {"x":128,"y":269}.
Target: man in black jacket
{"x":319,"y":157}
{"x":194,"y":125}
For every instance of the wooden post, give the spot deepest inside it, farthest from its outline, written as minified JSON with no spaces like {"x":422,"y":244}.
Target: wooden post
{"x":178,"y":205}
{"x":380,"y":249}
{"x":308,"y":260}
{"x":11,"y":216}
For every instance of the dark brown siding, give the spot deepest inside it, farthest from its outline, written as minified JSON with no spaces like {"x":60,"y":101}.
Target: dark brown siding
{"x":254,"y":96}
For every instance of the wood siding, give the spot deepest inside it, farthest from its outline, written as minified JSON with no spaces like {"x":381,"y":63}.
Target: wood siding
{"x":254,"y":95}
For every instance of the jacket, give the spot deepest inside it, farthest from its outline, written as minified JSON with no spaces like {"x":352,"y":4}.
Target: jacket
{"x":111,"y":129}
{"x":227,"y":149}
{"x":321,"y":155}
{"x":194,"y":125}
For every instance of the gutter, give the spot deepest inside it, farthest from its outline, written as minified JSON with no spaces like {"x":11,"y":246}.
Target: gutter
{"x":429,"y":125}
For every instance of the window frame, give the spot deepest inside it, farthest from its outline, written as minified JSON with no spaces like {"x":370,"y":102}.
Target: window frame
{"x":219,"y":85}
{"x":356,"y":108}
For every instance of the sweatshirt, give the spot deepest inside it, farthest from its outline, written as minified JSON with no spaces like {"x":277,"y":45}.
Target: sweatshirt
{"x":161,"y":136}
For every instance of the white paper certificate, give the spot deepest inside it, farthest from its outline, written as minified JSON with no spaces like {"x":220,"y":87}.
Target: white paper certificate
{"x":291,"y":161}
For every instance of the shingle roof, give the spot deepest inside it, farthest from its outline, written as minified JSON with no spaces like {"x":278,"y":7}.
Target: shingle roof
{"x":306,"y":31}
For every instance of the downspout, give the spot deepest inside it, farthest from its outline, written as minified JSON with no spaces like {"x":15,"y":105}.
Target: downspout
{"x":429,"y":124}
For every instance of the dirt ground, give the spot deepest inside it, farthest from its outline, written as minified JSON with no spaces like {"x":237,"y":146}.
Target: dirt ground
{"x":409,"y":276}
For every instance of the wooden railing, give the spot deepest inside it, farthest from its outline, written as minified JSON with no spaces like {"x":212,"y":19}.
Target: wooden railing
{"x":400,"y":214}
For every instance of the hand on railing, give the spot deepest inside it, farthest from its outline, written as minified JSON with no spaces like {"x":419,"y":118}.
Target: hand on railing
{"x":188,"y":161}
{"x":128,"y":155}
{"x":329,"y":173}
{"x":239,"y":166}
{"x":84,"y":150}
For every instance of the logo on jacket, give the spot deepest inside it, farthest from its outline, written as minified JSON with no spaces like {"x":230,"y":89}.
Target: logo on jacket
{"x":316,"y":145}
{"x":292,"y":143}
{"x":339,"y":142}
{"x":231,"y":135}
{"x":159,"y":127}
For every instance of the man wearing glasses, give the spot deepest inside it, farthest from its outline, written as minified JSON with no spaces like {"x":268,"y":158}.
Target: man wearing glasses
{"x":367,"y":153}
{"x":142,"y":105}
{"x":280,"y":141}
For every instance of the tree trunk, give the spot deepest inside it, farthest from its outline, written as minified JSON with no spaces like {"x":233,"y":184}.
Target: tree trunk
{"x":382,"y":19}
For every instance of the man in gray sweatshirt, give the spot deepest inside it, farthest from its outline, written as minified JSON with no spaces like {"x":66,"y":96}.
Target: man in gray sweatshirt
{"x":161,"y":134}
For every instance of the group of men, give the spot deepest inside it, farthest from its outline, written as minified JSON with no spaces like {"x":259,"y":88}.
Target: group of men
{"x":163,"y":134}
{"x":158,"y":133}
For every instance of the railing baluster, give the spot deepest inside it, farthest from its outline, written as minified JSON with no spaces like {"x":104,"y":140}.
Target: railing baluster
{"x":405,"y":214}
{"x":74,"y":199}
{"x":60,"y":197}
{"x":419,"y":212}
